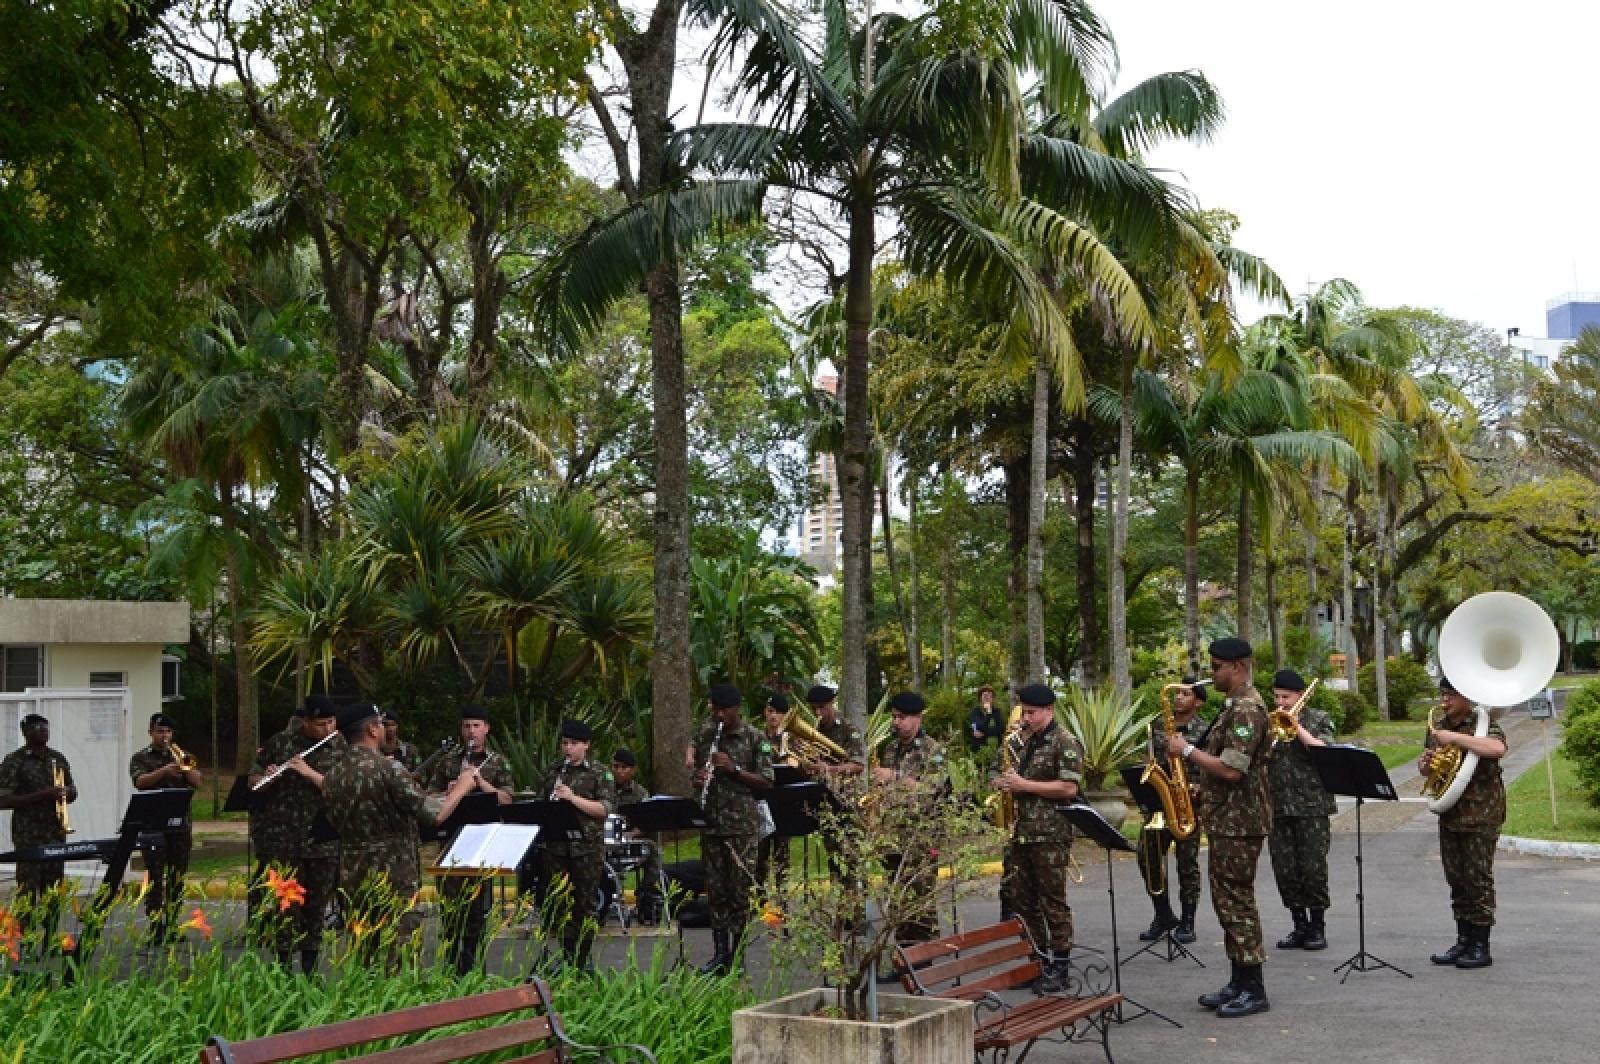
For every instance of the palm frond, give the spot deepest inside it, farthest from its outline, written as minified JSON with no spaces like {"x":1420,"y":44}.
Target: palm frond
{"x":1178,"y":105}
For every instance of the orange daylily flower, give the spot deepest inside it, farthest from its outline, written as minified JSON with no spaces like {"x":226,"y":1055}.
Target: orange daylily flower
{"x":197,"y":922}
{"x":772,"y":917}
{"x":10,"y":936}
{"x":68,"y":943}
{"x":287,"y":889}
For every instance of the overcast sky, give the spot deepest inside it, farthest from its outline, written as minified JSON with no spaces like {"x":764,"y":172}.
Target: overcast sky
{"x":1440,"y":154}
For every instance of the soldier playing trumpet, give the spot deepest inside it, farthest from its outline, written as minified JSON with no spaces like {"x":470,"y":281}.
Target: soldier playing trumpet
{"x":162,"y":765}
{"x":36,"y":785}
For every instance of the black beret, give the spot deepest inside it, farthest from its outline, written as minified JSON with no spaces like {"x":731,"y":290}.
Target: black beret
{"x":318,"y":706}
{"x":473,"y":711}
{"x":577,"y":731}
{"x":351,"y":717}
{"x":819,"y":695}
{"x":624,"y":756}
{"x":161,"y":720}
{"x":1036,"y":694}
{"x":779,"y":703}
{"x":723,"y":695}
{"x":391,"y":717}
{"x":33,"y":720}
{"x":1230,"y":649}
{"x":298,"y":711}
{"x":1201,"y":689}
{"x":908,"y":703}
{"x":1446,"y":685}
{"x":1288,"y":680}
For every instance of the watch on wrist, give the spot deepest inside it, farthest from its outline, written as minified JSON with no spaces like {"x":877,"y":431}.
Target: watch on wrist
{"x":1188,"y":748}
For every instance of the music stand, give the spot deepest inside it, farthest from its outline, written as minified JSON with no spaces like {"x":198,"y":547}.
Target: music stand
{"x":1149,"y":803}
{"x":1356,"y":773}
{"x":475,"y":808}
{"x":659,"y":814}
{"x":1086,"y":821}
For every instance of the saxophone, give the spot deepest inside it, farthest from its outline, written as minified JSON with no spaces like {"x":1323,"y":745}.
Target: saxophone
{"x":1171,"y":783}
{"x":1005,"y":813}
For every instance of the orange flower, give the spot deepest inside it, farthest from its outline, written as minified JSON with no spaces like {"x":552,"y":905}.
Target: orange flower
{"x":68,"y":943}
{"x":287,"y":889}
{"x":197,"y":922}
{"x":772,"y":917}
{"x":10,"y":936}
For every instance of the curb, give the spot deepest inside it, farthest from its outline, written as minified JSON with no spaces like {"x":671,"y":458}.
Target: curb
{"x":1579,"y":851}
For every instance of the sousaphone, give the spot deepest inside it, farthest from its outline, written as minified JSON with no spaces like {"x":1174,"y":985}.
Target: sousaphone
{"x":1498,"y":649}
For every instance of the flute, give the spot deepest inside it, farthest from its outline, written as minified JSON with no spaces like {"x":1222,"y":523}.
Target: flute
{"x":281,"y":769}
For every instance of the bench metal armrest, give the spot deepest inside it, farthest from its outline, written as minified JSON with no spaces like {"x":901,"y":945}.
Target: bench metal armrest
{"x":636,"y":1053}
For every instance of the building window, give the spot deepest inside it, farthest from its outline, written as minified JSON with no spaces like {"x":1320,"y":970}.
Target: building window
{"x":171,"y":678}
{"x":108,"y":679}
{"x":21,"y":667}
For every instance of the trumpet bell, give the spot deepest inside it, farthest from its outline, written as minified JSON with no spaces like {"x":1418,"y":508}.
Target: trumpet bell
{"x":1499,"y":648}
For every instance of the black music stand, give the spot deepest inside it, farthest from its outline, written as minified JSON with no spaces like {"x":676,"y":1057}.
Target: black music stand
{"x":1149,"y":803}
{"x":1356,"y":773}
{"x":1086,"y":821}
{"x":659,"y":814}
{"x":478,"y":807}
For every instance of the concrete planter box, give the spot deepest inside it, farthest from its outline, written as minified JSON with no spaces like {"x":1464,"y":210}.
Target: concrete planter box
{"x":921,"y":1031}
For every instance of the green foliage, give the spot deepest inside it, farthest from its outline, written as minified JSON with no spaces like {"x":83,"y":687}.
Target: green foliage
{"x":946,"y":716}
{"x":1353,"y":711}
{"x":1586,"y":654}
{"x":751,"y":619}
{"x":1408,"y":681}
{"x":1113,"y":732}
{"x":1581,"y":737}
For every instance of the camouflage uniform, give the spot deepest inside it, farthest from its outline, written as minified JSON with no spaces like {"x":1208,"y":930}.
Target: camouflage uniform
{"x":1040,"y":850}
{"x":406,"y":755}
{"x":855,"y":749}
{"x":282,"y":829}
{"x":1469,"y":831}
{"x":169,"y":865}
{"x":579,"y":858}
{"x":1237,"y":816}
{"x":1300,"y":810}
{"x":647,"y":898}
{"x":1153,"y":844}
{"x":26,"y":771}
{"x":922,"y":760}
{"x":376,"y":808}
{"x":728,"y":844}
{"x":462,"y":921}
{"x":772,"y":852}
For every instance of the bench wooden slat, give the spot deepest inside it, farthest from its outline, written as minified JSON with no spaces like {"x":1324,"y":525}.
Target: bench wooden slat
{"x":466,"y":1044}
{"x":1010,"y":979}
{"x":974,"y":961}
{"x":1057,"y":1014}
{"x":980,"y":936}
{"x":549,"y":1056}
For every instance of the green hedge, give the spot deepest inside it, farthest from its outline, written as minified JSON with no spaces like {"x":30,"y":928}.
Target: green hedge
{"x":1407,"y":681}
{"x":1353,"y":711}
{"x":1581,"y":742}
{"x":1586,"y":654}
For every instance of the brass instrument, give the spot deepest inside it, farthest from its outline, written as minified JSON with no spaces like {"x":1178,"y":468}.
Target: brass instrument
{"x":1172,"y":782}
{"x":801,"y":742}
{"x":1005,"y":811}
{"x":302,"y":755}
{"x":1286,"y":722}
{"x":705,"y":788}
{"x":186,"y":761}
{"x":58,"y":778}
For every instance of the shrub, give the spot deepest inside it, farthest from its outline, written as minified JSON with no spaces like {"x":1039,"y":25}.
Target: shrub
{"x":946,"y":716}
{"x":1581,"y":742}
{"x":1407,"y":681}
{"x":1324,"y":698}
{"x":1353,"y":711}
{"x":1586,"y":654}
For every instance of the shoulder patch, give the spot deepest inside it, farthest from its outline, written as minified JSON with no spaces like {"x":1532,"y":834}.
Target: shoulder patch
{"x":766,"y":747}
{"x":605,"y":774}
{"x":1243,"y":731}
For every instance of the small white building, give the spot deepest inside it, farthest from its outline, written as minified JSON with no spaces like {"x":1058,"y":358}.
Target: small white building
{"x":96,"y":670}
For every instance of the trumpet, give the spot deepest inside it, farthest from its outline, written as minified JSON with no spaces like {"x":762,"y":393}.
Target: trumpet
{"x":716,"y":740}
{"x":281,"y":769}
{"x":58,"y":778}
{"x":1286,"y":722}
{"x":186,"y":761}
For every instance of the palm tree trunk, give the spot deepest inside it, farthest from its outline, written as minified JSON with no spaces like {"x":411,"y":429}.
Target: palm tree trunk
{"x":1083,"y":493}
{"x":1017,"y":502}
{"x":900,"y":613}
{"x":1191,"y":567}
{"x":248,"y":709}
{"x":855,"y":485}
{"x":1347,"y":608}
{"x":1274,"y":625}
{"x":1037,"y":445}
{"x":1244,"y":604}
{"x":1117,"y":590}
{"x":947,"y":612}
{"x":1380,"y":542}
{"x":1313,"y":521}
{"x":913,"y":612}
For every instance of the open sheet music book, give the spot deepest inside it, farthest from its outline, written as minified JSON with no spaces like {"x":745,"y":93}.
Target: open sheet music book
{"x":488,"y":847}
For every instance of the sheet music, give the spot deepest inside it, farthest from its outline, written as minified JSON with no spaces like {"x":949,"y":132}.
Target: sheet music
{"x":490,"y":846}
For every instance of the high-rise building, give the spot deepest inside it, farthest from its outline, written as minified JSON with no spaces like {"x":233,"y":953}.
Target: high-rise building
{"x":822,"y":524}
{"x":1570,"y":313}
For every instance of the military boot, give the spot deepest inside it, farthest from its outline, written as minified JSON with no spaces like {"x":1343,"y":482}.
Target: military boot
{"x":1316,"y":930}
{"x":1476,"y":955}
{"x":467,"y":955}
{"x":1252,"y":996}
{"x":308,"y":962}
{"x":1463,"y":939}
{"x":1218,"y":998}
{"x":1185,"y":929}
{"x":1052,"y":975}
{"x":1296,"y":939}
{"x":721,"y":961}
{"x":1164,"y":920}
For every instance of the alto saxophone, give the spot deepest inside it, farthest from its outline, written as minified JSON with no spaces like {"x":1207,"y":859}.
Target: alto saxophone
{"x":1005,"y":813}
{"x":1171,"y":783}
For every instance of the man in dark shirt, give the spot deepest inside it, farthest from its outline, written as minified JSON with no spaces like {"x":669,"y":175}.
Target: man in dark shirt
{"x":985,"y":724}
{"x":29,"y":788}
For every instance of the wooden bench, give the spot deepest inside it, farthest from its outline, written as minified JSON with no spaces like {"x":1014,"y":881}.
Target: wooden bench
{"x":539,"y":1032}
{"x":978,"y":965}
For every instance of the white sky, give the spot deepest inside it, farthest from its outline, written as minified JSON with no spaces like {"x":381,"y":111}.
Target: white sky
{"x":1439,"y":154}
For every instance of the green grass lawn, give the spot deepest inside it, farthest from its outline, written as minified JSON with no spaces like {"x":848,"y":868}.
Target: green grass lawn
{"x":1528,"y":806}
{"x":1575,"y":680}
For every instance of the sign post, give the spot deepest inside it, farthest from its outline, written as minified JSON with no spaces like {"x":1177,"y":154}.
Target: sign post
{"x":1542,"y":708}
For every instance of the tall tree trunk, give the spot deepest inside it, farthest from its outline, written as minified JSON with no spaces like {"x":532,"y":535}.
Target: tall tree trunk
{"x":947,"y":612}
{"x":1380,"y":543}
{"x":1191,"y":567}
{"x":1274,"y":625}
{"x":1313,"y":521}
{"x":1347,"y":607}
{"x":902,"y":616}
{"x":855,"y":483}
{"x":913,"y":599}
{"x":246,"y":686}
{"x":1117,"y":589}
{"x":1083,"y":493}
{"x":1038,"y":443}
{"x":1244,"y":576}
{"x":1016,"y":473}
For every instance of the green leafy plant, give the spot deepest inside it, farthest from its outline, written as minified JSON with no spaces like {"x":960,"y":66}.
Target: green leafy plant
{"x":1407,"y":682}
{"x":1581,"y":737}
{"x":1111,"y":729}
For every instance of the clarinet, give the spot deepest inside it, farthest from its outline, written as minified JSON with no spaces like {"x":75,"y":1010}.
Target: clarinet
{"x":705,"y":789}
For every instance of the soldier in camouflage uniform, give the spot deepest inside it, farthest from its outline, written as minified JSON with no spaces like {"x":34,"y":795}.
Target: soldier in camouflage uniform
{"x":772,"y":852}
{"x":1235,"y":808}
{"x":822,"y":700}
{"x":1186,"y":703}
{"x":465,"y":900}
{"x":28,"y":789}
{"x":913,"y":760}
{"x":376,"y":808}
{"x":406,"y":754}
{"x":733,"y":767}
{"x":1469,"y":830}
{"x":156,"y":767}
{"x":1301,"y":807}
{"x":578,"y":858}
{"x":1047,"y":772}
{"x":291,"y":806}
{"x":647,"y":898}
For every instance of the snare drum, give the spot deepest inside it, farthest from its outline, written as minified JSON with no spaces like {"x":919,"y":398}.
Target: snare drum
{"x":616,"y":830}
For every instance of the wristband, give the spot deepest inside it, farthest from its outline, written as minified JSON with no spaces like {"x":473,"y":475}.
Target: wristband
{"x":1188,"y":748}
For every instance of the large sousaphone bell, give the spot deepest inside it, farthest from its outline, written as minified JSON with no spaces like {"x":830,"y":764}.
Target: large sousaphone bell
{"x":1498,"y":649}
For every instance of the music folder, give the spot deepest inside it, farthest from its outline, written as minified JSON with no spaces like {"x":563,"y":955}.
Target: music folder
{"x":1088,"y":822}
{"x":1146,"y":797}
{"x":166,"y":809}
{"x":1353,"y":771}
{"x":487,"y":849}
{"x":665,"y":812}
{"x":475,"y":808}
